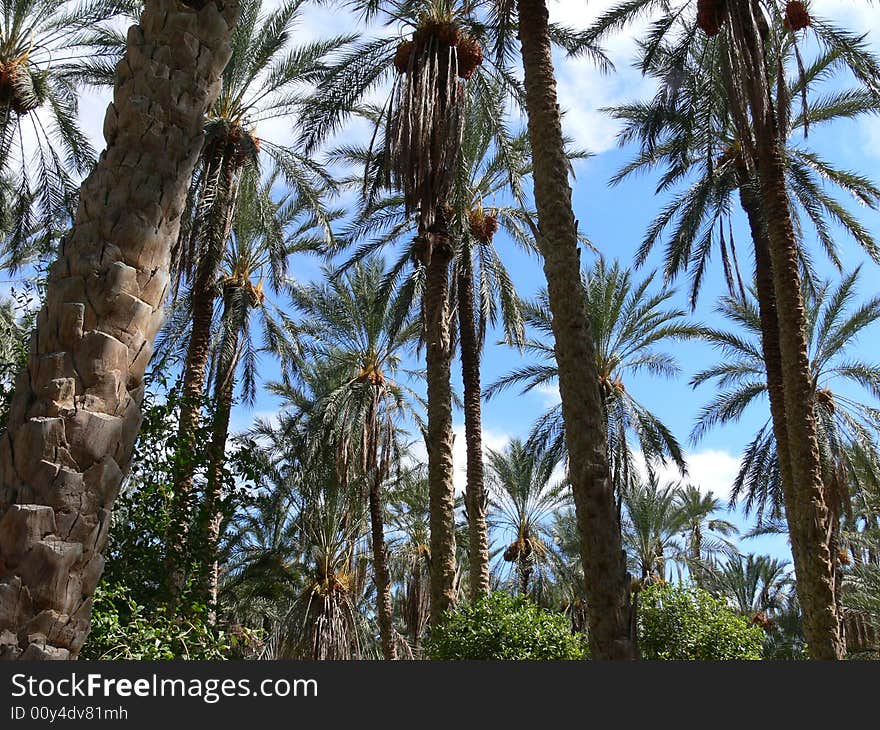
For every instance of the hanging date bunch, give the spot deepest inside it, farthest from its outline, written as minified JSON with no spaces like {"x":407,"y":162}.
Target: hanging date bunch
{"x":711,"y":15}
{"x":796,"y":16}
{"x":483,"y":225}
{"x":425,"y":119}
{"x":21,"y":88}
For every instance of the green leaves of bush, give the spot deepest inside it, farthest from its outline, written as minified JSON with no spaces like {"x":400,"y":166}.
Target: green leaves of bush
{"x":689,"y":623}
{"x":500,"y":626}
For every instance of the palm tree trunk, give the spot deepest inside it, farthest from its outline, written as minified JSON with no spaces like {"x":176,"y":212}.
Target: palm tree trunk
{"x":376,"y":464}
{"x":804,"y":496}
{"x":381,"y":574}
{"x":751,"y":204}
{"x":478,"y":542}
{"x":607,"y":582}
{"x":76,"y":412}
{"x":203,"y":295}
{"x":439,"y":438}
{"x":224,"y":389}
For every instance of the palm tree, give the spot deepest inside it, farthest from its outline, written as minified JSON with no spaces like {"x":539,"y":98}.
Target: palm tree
{"x":323,"y":621}
{"x":756,"y":585}
{"x":846,"y":427}
{"x":491,"y":165}
{"x":705,"y":535}
{"x":834,"y":323}
{"x":76,"y":415}
{"x":43,"y":46}
{"x":411,"y":553}
{"x":611,"y":625}
{"x":653,"y":521}
{"x":628,"y":322}
{"x":351,"y":329}
{"x":524,"y":495}
{"x":745,"y":55}
{"x":421,"y":129}
{"x":263,"y":81}
{"x":264,"y":234}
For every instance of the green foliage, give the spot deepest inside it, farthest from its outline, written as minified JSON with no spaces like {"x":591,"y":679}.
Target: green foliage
{"x":688,"y":623}
{"x":501,"y":626}
{"x":142,"y":543}
{"x":124,"y":629}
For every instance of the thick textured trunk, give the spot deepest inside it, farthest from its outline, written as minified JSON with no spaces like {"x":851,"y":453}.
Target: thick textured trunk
{"x":438,"y":251}
{"x":76,"y":412}
{"x":381,"y":575}
{"x":478,"y":542}
{"x":751,"y":204}
{"x":805,"y":506}
{"x":607,"y":582}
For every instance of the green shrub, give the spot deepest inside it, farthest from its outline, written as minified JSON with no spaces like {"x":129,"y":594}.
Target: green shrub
{"x":500,"y":626}
{"x":123,"y":629}
{"x":689,"y":623}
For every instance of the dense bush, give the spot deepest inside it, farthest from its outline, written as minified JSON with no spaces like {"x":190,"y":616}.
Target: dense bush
{"x":689,"y":623}
{"x":500,"y":626}
{"x":123,"y":629}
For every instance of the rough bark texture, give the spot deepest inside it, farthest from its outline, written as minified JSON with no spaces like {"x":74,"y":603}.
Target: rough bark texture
{"x":751,"y":203}
{"x":478,"y":542}
{"x":381,"y":575}
{"x":438,"y":251}
{"x":76,"y":412}
{"x":805,"y":505}
{"x":607,"y":582}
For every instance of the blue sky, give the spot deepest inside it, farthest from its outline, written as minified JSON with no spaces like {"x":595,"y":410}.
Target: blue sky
{"x":615,"y":219}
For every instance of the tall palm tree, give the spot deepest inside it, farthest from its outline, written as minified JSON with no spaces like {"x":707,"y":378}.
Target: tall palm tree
{"x":628,"y":323}
{"x":492,"y":165}
{"x":611,"y":624}
{"x":524,"y":495}
{"x":43,"y":47}
{"x":265,"y":80}
{"x":421,"y":128}
{"x":264,"y":234}
{"x":745,"y":52}
{"x":76,"y":413}
{"x":350,"y":327}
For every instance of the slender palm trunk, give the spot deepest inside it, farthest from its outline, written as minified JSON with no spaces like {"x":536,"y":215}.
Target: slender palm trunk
{"x":224,"y":389}
{"x":381,"y":574}
{"x":439,"y":438}
{"x":612,"y":634}
{"x":76,"y":412}
{"x":215,"y":226}
{"x":376,"y":465}
{"x":805,"y":504}
{"x":478,"y":542}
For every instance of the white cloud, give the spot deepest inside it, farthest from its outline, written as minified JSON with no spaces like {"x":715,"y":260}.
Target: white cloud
{"x":549,"y":393}
{"x":710,"y":470}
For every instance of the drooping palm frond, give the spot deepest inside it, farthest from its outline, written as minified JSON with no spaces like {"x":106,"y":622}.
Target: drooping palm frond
{"x":844,"y":421}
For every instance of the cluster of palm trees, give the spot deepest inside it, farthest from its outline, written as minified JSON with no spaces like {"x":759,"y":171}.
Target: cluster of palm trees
{"x":349,"y":546}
